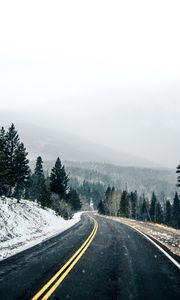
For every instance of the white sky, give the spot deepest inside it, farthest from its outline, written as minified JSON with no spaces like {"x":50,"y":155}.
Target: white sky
{"x":105,"y":70}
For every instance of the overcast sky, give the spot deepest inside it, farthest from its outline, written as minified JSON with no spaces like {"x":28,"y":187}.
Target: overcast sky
{"x":105,"y":70}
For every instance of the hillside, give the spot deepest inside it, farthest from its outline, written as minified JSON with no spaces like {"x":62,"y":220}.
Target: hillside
{"x":25,"y":224}
{"x":50,"y":143}
{"x":144,"y":180}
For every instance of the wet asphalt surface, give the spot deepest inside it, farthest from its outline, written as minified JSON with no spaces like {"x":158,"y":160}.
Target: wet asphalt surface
{"x":119,"y":264}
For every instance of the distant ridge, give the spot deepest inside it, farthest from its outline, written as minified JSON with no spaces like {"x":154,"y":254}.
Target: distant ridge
{"x":144,"y":180}
{"x":50,"y":144}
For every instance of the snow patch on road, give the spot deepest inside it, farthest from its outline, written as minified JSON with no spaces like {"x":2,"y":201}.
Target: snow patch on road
{"x":25,"y":224}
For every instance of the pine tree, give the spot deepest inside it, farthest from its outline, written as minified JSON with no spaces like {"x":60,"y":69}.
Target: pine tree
{"x":124,"y":205}
{"x":133,"y":199}
{"x":152,"y":210}
{"x":38,"y":180}
{"x":59,"y":180}
{"x":176,"y":212}
{"x":168,"y":213}
{"x":14,"y":167}
{"x":20,"y":169}
{"x":11,"y":145}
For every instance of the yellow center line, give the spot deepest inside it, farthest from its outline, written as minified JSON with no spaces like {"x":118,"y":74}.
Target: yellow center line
{"x":54,"y":287}
{"x":80,"y":251}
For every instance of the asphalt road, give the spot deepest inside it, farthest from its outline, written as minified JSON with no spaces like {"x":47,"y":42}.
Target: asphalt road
{"x":118,"y":264}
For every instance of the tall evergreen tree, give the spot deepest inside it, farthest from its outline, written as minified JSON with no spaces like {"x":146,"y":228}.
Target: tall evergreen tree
{"x":133,"y":199}
{"x":124,"y":205}
{"x":176,"y":211}
{"x":59,"y":180}
{"x":20,"y":169}
{"x":152,"y":210}
{"x":11,"y":145}
{"x":38,"y":180}
{"x":13,"y":163}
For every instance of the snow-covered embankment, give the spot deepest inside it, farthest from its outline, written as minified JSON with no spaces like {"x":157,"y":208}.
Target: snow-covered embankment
{"x":25,"y":224}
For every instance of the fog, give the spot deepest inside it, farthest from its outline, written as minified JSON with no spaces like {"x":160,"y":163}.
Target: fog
{"x":106,"y":71}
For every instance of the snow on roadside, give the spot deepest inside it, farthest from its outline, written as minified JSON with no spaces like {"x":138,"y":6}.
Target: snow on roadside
{"x":25,"y":224}
{"x":168,"y":236}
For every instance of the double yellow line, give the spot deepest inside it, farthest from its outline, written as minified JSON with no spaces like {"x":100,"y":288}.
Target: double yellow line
{"x":48,"y":289}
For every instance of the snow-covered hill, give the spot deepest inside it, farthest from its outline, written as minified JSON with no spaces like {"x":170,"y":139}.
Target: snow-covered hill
{"x":25,"y":224}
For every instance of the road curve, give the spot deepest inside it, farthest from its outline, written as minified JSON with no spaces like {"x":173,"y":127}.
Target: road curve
{"x":118,"y":264}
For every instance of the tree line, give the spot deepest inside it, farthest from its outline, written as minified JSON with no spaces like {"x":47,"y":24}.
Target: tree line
{"x":17,"y":179}
{"x":131,"y":205}
{"x":144,"y":180}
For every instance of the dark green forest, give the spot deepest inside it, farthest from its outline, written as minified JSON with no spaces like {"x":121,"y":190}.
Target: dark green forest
{"x":138,"y":207}
{"x":19,"y":180}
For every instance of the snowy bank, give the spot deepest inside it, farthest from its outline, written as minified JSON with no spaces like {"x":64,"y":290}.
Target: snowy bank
{"x":24,"y":224}
{"x":168,"y":236}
